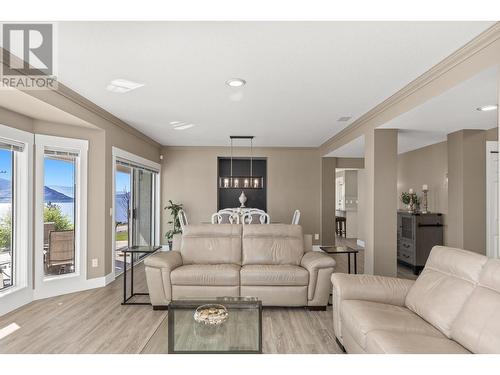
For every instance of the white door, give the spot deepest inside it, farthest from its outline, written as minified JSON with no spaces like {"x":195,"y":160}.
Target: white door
{"x":492,"y":199}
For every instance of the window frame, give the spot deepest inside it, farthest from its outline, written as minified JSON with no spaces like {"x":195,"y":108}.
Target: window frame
{"x":21,"y":292}
{"x":52,"y":285}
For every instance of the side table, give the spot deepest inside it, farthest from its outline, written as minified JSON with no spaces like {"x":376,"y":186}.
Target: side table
{"x":132,"y":250}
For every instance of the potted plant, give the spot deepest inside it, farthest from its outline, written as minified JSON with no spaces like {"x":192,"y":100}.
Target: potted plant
{"x":173,"y":209}
{"x":410,"y":199}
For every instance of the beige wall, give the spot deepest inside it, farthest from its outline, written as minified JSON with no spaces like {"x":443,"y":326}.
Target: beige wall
{"x":467,"y":188}
{"x":189,"y":176}
{"x":100,"y":174}
{"x":455,"y":172}
{"x":426,"y":165}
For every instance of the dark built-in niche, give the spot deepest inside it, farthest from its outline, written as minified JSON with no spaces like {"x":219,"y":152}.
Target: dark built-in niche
{"x":228,"y":198}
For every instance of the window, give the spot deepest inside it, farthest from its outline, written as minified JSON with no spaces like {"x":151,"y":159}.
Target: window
{"x":59,"y":218}
{"x":7,"y":212}
{"x":60,"y":215}
{"x":15,"y":217}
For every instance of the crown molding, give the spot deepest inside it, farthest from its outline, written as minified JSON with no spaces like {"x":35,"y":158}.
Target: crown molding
{"x":71,"y":95}
{"x":476,"y":45}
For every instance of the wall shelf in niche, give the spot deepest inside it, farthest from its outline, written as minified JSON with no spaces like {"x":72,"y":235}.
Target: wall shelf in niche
{"x":228,"y":197}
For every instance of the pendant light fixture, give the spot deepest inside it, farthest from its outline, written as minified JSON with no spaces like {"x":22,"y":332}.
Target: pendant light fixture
{"x":241,"y":182}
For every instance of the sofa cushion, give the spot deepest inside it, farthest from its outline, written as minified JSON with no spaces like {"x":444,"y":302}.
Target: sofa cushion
{"x":477,"y":326}
{"x":272,"y":244}
{"x":382,"y":342}
{"x":211,"y":244}
{"x":273,"y":275}
{"x":447,"y":281}
{"x":206,"y":274}
{"x":362,"y":317}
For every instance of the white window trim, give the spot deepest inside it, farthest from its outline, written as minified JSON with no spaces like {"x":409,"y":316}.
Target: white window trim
{"x":22,"y":291}
{"x":48,"y":286}
{"x":122,"y":154}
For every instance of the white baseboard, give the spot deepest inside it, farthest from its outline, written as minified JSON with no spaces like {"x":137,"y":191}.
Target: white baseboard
{"x":360,"y":243}
{"x":22,"y":297}
{"x":96,"y":282}
{"x":109,"y":278}
{"x":14,"y":300}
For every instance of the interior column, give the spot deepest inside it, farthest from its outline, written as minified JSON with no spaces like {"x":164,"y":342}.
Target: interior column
{"x":466,"y":217}
{"x":328,"y":166}
{"x":381,"y":157}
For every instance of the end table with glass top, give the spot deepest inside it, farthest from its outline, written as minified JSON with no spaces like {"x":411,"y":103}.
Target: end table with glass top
{"x":134,"y":250}
{"x":240,"y":333}
{"x":332,"y":250}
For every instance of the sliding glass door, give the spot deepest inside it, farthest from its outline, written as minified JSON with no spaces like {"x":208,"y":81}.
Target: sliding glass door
{"x":136,"y":211}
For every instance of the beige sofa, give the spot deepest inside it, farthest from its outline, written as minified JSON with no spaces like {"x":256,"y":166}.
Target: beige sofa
{"x":453,"y":307}
{"x":272,"y":262}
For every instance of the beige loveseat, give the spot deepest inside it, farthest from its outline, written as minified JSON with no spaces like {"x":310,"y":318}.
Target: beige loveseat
{"x":453,"y":307}
{"x":271,"y":262}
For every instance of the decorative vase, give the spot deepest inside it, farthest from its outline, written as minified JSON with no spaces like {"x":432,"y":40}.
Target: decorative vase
{"x":242,"y":199}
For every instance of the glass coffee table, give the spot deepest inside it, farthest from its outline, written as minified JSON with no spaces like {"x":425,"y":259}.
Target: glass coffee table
{"x":240,"y":333}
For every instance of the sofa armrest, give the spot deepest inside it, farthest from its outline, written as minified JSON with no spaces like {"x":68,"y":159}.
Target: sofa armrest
{"x":382,"y":289}
{"x":389,"y":290}
{"x":320,"y":267}
{"x":158,"y":269}
{"x":315,"y":260}
{"x":164,"y":259}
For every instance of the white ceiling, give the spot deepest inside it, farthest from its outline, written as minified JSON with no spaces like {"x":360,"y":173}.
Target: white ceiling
{"x":430,"y":122}
{"x":301,"y":76}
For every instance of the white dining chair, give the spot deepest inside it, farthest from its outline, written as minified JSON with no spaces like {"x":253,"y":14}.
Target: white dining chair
{"x":225,"y":216}
{"x":183,"y":221}
{"x":296,"y":217}
{"x":256,"y":217}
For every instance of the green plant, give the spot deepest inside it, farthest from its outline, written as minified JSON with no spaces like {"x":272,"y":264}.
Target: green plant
{"x":52,"y":213}
{"x":409,"y":198}
{"x":173,"y":209}
{"x":5,"y":231}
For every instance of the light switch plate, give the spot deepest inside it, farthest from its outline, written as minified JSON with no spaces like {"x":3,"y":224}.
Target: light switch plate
{"x":95,"y":262}
{"x":316,"y":236}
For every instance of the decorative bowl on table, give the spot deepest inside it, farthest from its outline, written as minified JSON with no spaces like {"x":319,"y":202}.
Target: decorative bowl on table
{"x":211,"y":314}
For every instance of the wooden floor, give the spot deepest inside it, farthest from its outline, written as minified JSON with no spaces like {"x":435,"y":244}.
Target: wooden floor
{"x":94,"y":321}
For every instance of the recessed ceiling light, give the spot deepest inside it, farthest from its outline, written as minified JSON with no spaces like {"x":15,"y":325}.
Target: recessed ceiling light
{"x":121,"y":86}
{"x":173,"y":123}
{"x":183,"y":126}
{"x":236,"y":82}
{"x":485,"y":108}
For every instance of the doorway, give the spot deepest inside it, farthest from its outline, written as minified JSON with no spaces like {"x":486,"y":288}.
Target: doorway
{"x":136,"y":211}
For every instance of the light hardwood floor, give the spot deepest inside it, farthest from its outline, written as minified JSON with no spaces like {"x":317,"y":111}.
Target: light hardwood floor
{"x":94,"y":321}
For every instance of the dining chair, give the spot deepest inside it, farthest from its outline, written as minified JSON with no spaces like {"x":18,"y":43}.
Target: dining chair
{"x":296,"y":217}
{"x":256,"y":217}
{"x":225,"y":216}
{"x":183,"y":221}
{"x":61,"y":250}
